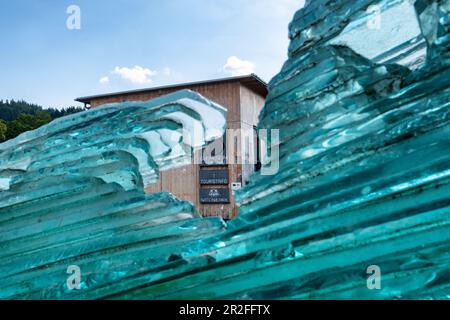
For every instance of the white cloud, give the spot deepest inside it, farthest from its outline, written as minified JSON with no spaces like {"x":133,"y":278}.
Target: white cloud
{"x":136,"y":75}
{"x":104,"y":80}
{"x":238,"y":67}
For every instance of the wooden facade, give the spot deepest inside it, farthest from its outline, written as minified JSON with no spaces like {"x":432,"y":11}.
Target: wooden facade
{"x":244,"y":98}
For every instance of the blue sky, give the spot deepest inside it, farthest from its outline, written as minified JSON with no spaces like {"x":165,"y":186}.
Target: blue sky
{"x":131,"y":44}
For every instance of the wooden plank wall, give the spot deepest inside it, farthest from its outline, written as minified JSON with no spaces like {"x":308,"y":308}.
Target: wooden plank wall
{"x":251,"y":105}
{"x":184,"y":182}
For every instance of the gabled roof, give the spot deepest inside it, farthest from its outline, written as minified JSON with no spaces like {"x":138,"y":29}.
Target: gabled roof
{"x":251,"y":81}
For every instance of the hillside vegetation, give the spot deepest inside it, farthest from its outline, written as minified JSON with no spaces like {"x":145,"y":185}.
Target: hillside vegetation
{"x":17,"y":117}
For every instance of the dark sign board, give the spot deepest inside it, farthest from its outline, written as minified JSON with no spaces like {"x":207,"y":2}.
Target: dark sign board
{"x":213,"y":176}
{"x":215,"y":195}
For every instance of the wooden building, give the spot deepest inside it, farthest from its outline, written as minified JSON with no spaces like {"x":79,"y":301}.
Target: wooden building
{"x":209,"y":187}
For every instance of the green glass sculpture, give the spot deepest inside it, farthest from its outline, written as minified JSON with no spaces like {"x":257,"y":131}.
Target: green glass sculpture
{"x":363,"y":185}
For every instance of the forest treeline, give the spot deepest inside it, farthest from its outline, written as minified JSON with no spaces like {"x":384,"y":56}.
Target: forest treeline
{"x":17,"y":117}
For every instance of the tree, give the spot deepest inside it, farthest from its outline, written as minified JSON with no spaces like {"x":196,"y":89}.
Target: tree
{"x":27,"y":122}
{"x":19,"y":116}
{"x":3,"y":130}
{"x":42,"y":118}
{"x":10,"y":110}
